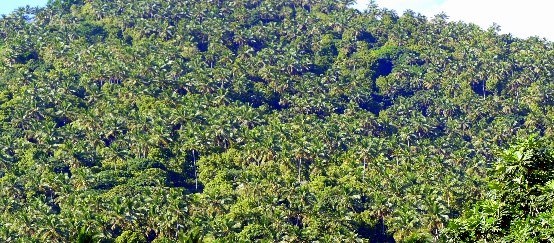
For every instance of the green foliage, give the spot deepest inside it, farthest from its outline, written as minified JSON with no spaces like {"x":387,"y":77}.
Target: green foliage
{"x":518,"y":207}
{"x":130,"y":237}
{"x":84,"y":236}
{"x":263,"y":120}
{"x":191,"y":237}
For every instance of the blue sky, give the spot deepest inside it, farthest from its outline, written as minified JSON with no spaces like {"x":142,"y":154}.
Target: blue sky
{"x":7,"y":6}
{"x":521,"y":18}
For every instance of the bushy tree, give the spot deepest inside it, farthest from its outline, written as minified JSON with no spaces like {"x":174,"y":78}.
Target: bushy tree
{"x":519,"y":206}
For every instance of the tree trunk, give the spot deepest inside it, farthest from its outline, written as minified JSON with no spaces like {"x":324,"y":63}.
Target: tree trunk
{"x":299,"y":162}
{"x":195,"y":172}
{"x":363,"y":174}
{"x":484,"y":84}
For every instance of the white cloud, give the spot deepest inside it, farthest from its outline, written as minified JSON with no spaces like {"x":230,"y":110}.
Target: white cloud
{"x":521,"y":18}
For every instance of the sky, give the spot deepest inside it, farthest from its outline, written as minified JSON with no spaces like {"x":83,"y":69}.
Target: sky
{"x":522,"y":18}
{"x":7,"y":6}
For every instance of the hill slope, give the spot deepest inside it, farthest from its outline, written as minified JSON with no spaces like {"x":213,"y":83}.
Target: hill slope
{"x":250,"y":120}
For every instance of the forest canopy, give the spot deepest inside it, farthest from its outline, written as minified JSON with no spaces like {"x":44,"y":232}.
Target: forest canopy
{"x":268,"y":120}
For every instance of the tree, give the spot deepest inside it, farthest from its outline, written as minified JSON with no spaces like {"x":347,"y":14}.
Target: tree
{"x":518,"y":206}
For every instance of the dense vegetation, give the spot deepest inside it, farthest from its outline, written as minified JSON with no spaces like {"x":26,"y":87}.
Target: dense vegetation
{"x":520,"y":204}
{"x":245,"y":120}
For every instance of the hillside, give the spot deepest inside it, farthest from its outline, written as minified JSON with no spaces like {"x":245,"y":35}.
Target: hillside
{"x":252,"y":120}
